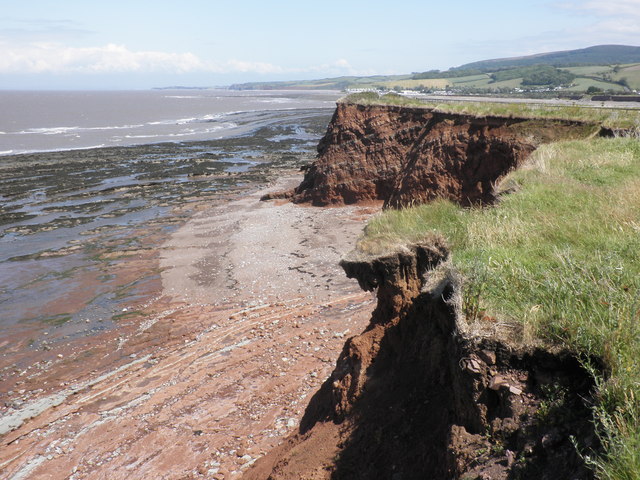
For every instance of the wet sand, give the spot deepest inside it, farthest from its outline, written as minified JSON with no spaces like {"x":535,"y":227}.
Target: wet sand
{"x":205,"y":376}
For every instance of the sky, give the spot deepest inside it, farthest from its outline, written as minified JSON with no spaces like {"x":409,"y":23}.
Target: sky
{"x":139,"y":44}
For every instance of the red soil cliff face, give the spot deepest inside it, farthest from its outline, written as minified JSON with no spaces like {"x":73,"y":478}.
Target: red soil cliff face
{"x":418,"y":394}
{"x":414,"y":396}
{"x":408,"y":155}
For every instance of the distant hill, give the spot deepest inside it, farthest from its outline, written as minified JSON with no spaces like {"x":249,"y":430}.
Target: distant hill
{"x":337,"y":83}
{"x":597,"y":55}
{"x":612,"y":69}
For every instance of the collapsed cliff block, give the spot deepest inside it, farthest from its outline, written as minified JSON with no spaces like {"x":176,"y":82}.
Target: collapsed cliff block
{"x":417,"y":396}
{"x":408,"y":155}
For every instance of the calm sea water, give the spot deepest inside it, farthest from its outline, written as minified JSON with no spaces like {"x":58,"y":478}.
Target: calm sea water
{"x":45,"y":121}
{"x":88,"y":180}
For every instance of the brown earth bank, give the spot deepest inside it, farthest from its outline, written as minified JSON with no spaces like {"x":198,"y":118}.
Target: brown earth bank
{"x":409,"y":155}
{"x":422,"y":394}
{"x":212,"y":372}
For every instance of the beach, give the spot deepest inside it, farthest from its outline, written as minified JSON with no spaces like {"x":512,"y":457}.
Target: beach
{"x":213,"y":377}
{"x":159,"y":320}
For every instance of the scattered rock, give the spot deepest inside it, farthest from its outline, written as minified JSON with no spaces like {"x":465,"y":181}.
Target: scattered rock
{"x":511,"y":457}
{"x":515,"y":390}
{"x":497,"y":382}
{"x":487,"y":356}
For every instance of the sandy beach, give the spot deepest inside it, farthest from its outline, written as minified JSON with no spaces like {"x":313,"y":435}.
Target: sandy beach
{"x":216,"y":369}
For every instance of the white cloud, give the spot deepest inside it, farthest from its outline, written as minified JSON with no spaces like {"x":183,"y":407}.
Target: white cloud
{"x":338,"y":67}
{"x":609,"y":8}
{"x":609,"y":21}
{"x":57,"y":58}
{"x":48,"y":57}
{"x":244,"y":67}
{"x":620,"y":26}
{"x":621,"y":8}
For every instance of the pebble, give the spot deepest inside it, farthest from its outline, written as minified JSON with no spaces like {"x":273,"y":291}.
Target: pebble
{"x":497,"y":382}
{"x":515,"y":390}
{"x":511,"y":457}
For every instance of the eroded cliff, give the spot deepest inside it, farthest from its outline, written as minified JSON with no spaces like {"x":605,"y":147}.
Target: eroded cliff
{"x":416,"y":395}
{"x":409,"y":155}
{"x":421,"y":393}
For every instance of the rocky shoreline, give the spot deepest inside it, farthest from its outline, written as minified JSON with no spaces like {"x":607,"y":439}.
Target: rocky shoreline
{"x":219,"y":369}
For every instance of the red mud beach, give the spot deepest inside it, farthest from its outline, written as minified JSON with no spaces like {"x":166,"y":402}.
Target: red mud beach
{"x":254,"y":310}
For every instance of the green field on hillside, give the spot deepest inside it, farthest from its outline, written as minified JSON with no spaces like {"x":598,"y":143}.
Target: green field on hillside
{"x":480,"y":79}
{"x":603,"y":78}
{"x":582,"y":84}
{"x":609,"y":68}
{"x":593,"y":70}
{"x":631,"y":73}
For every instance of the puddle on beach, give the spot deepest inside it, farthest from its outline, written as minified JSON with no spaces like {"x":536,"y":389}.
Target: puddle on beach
{"x":79,"y":230}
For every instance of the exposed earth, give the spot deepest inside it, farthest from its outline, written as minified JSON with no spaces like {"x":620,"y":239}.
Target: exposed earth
{"x":211,"y":373}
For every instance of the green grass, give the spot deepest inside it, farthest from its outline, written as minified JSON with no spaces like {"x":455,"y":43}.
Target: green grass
{"x":511,"y":83}
{"x":609,"y":117}
{"x":601,"y":76}
{"x":631,"y":73}
{"x":471,"y":80}
{"x":561,"y":257}
{"x":590,"y":70}
{"x":582,"y":84}
{"x":413,"y":84}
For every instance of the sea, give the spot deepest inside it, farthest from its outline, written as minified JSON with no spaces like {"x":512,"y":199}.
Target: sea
{"x":90,"y":180}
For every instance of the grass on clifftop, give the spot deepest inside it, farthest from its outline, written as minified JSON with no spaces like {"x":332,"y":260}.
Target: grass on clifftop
{"x":608,"y":117}
{"x":561,"y":256}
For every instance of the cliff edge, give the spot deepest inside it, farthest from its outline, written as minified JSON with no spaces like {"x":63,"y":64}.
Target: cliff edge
{"x":409,"y":155}
{"x":422,"y":392}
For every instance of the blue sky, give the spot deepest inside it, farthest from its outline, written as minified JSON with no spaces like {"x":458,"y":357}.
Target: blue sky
{"x":143,"y":44}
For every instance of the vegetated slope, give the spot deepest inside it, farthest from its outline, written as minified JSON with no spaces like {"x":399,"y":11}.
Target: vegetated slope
{"x":596,"y":55}
{"x":409,"y":155}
